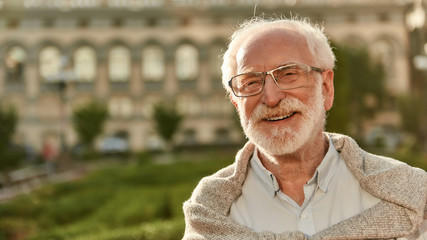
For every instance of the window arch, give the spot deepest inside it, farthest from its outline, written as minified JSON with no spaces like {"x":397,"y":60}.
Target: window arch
{"x":15,"y":60}
{"x":186,"y":62}
{"x":119,"y":64}
{"x":49,"y":62}
{"x":85,"y":64}
{"x":153,"y":63}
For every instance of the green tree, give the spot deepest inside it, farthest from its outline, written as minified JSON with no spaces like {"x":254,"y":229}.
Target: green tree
{"x":88,"y":122}
{"x":339,"y":116}
{"x":414,"y":116}
{"x":359,"y":90}
{"x":167,"y":121}
{"x":10,"y":156}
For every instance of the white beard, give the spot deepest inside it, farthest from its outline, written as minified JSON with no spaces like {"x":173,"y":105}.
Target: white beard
{"x":286,"y":140}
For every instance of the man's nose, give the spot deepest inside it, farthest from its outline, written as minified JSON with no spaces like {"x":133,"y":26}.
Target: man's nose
{"x":271,"y":95}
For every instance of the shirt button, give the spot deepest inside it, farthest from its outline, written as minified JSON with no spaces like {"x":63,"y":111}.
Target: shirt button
{"x":304,"y":216}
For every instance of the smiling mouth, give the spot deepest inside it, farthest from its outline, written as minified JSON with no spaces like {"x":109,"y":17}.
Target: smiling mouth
{"x":279,"y":118}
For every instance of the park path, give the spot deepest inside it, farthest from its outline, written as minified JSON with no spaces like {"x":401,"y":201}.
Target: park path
{"x":30,"y":184}
{"x":39,"y":176}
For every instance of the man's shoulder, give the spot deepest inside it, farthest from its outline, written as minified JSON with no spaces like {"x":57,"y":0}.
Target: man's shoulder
{"x":216,"y":180}
{"x":376,"y":163}
{"x":369,"y":163}
{"x":386,"y":178}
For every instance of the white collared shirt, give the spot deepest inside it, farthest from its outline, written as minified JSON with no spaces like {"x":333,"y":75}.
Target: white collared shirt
{"x":332,"y":195}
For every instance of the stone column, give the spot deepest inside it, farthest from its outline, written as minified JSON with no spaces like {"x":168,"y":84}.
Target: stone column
{"x":135,"y":83}
{"x":102,"y":83}
{"x":32,"y":80}
{"x":203,"y":83}
{"x":170,"y":86}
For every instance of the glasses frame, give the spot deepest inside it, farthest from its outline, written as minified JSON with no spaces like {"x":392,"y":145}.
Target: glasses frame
{"x":264,"y":75}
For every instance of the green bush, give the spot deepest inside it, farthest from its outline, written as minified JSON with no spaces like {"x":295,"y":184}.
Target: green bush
{"x":71,"y":207}
{"x":158,"y":230}
{"x":143,"y":205}
{"x":15,"y":228}
{"x":137,"y":200}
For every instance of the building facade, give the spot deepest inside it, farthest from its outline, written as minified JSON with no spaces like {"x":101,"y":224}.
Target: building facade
{"x":132,"y":54}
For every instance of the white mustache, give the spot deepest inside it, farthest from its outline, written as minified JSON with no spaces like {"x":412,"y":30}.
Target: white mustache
{"x":286,"y":107}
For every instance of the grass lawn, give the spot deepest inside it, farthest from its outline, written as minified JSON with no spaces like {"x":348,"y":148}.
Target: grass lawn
{"x":138,"y":200}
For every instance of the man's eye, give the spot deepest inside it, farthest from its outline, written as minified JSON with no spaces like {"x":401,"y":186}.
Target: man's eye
{"x":253,"y":82}
{"x":287,"y":73}
{"x":250,"y":80}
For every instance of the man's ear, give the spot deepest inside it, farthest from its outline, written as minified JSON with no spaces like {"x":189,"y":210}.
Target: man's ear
{"x":328,"y":89}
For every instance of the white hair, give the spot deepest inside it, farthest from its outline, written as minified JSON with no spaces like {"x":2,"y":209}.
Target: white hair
{"x":317,"y":42}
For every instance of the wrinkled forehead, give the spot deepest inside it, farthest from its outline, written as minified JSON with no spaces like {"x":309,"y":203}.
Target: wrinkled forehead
{"x":286,"y":41}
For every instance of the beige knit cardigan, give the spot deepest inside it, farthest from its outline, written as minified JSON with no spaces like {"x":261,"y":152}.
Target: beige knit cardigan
{"x":403,"y":190}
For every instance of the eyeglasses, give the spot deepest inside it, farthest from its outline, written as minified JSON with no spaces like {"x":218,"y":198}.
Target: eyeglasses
{"x":286,"y":77}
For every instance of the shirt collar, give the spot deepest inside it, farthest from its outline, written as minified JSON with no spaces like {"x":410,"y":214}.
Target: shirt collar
{"x":322,"y":177}
{"x":267,"y":178}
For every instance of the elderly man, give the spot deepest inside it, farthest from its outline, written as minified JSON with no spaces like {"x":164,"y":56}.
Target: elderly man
{"x":292,"y":180}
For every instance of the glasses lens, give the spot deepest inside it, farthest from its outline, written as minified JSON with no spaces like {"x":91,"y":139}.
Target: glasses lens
{"x":247,"y":84}
{"x":289,"y":77}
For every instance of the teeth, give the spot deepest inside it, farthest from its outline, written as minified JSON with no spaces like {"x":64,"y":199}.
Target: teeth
{"x":279,"y":118}
{"x":276,"y":118}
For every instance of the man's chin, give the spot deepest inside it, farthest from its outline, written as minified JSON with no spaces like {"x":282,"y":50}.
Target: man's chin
{"x":276,"y":142}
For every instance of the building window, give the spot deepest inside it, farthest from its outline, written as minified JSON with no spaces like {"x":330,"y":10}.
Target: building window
{"x":15,"y":61}
{"x":222,"y":136}
{"x":49,"y":63}
{"x":120,"y":107}
{"x":153,"y":63}
{"x":85,"y":64}
{"x":119,"y":65}
{"x":152,"y":22}
{"x":118,"y":22}
{"x":187,"y":62}
{"x":83,"y":23}
{"x":384,"y":17}
{"x":13,"y":23}
{"x":48,"y":22}
{"x":189,"y":137}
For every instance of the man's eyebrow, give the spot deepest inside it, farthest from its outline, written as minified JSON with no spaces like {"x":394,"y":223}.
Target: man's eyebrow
{"x":285,"y":63}
{"x":247,"y":69}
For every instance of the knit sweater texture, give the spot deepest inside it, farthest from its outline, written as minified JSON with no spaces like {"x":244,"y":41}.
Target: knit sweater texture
{"x":402,"y":189}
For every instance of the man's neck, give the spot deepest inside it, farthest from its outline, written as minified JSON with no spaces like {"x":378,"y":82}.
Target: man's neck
{"x":292,"y":171}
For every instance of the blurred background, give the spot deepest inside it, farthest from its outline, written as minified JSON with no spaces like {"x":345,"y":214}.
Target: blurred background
{"x":90,"y":79}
